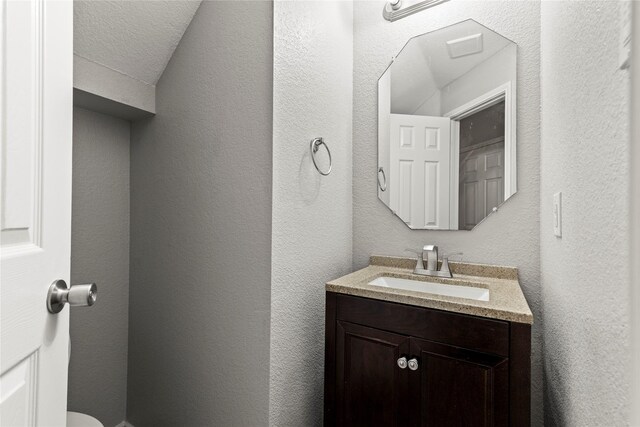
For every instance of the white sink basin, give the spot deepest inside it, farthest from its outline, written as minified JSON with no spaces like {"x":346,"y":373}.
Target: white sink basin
{"x":468,"y":292}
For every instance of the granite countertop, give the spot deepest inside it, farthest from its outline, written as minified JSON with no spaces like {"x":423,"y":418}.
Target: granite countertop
{"x":506,"y":300}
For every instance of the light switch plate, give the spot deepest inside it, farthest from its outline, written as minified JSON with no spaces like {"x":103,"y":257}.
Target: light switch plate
{"x":557,"y":214}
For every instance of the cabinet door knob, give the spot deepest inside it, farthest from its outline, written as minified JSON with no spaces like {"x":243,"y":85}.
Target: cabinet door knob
{"x":413,"y":364}
{"x":402,"y":362}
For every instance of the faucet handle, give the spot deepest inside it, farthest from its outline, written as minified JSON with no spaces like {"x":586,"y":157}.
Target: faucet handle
{"x":419,"y":258}
{"x":445,"y":263}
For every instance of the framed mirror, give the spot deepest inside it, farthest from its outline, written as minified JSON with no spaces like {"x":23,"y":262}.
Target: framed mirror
{"x":447,"y":127}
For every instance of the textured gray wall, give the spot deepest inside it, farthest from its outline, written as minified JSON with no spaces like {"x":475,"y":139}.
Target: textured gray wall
{"x":510,"y":237}
{"x":585,"y":149}
{"x":201,"y":228}
{"x":100,"y":253}
{"x":312,"y":234}
{"x":635,"y":220}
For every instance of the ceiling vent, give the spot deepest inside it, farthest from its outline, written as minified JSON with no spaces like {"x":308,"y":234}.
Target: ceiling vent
{"x":464,"y":46}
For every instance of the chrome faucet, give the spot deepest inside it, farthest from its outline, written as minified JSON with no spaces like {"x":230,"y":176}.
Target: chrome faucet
{"x":430,"y":253}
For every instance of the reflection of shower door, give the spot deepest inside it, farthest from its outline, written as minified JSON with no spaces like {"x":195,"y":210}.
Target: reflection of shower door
{"x":481,"y":183}
{"x":419,"y":170}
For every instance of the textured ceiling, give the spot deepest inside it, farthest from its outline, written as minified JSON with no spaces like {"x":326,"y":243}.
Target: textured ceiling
{"x":136,"y":38}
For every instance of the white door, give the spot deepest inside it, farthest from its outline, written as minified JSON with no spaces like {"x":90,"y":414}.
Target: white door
{"x":36,"y":208}
{"x":481,"y":183}
{"x":420,"y":170}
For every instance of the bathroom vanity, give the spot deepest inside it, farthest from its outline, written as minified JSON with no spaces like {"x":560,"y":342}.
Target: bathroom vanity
{"x":408,"y":357}
{"x":408,"y":343}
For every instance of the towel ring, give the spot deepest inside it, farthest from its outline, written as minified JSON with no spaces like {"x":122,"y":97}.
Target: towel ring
{"x":382,"y":187}
{"x":315,"y":146}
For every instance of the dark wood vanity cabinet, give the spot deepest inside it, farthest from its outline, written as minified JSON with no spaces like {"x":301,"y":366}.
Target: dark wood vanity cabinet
{"x":471,"y":371}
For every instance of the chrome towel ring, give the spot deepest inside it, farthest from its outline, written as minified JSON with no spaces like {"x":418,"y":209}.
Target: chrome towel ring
{"x":383,"y":187}
{"x":314,"y":147}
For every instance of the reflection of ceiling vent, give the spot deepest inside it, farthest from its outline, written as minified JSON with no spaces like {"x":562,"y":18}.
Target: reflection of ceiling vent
{"x":465,"y":46}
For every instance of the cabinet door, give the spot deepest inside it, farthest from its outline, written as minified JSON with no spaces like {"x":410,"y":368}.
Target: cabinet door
{"x":457,"y":387}
{"x":371,"y":388}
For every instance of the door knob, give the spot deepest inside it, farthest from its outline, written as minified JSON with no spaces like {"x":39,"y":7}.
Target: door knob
{"x":78,"y":295}
{"x":413,"y":364}
{"x":402,"y":362}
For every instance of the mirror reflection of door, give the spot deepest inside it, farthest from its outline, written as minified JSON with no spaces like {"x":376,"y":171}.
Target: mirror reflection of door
{"x":447,"y":128}
{"x":419,"y":168}
{"x":481,"y":180}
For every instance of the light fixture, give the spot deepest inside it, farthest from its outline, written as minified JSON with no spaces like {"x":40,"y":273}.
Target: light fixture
{"x":392,"y":11}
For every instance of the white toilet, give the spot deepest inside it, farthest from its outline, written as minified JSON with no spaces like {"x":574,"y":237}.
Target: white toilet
{"x":76,"y":419}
